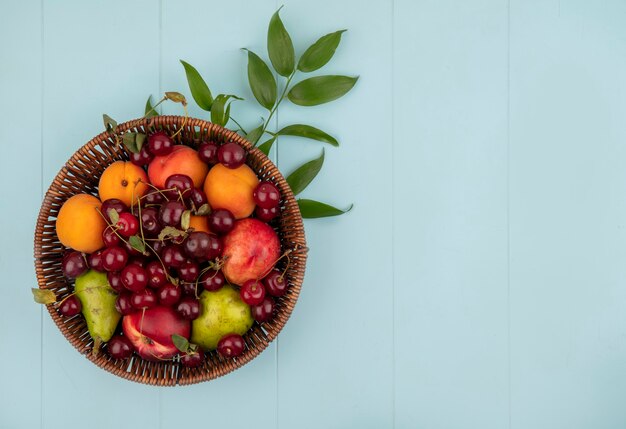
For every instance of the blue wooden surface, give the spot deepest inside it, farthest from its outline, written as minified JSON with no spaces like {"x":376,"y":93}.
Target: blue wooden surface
{"x":479,"y":280}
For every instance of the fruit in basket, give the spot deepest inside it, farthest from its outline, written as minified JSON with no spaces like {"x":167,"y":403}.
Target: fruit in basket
{"x":98,"y":306}
{"x":199,"y":223}
{"x":74,"y":264}
{"x":231,"y":345}
{"x":79,"y":225}
{"x":231,"y":189}
{"x":124,"y":181}
{"x":181,"y":160}
{"x":221,"y":313}
{"x":151,"y":331}
{"x":251,"y":249}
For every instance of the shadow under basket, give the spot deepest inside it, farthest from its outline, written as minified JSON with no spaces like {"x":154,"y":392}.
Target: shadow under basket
{"x":81,"y":174}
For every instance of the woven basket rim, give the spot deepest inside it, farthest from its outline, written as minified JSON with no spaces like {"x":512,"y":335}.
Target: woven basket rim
{"x":258,"y":338}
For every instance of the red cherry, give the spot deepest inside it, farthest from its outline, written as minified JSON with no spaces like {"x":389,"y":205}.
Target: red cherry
{"x":123,"y":305}
{"x":120,"y":347}
{"x":264,"y":311}
{"x":128,"y":224}
{"x":115,"y":281}
{"x":74,"y":264}
{"x":156,"y":274}
{"x":212,"y":280}
{"x":252,"y":292}
{"x":193,"y":359}
{"x":143,"y":299}
{"x":134,"y":277}
{"x":188,"y":271}
{"x":169,"y":294}
{"x":110,"y":238}
{"x":188,"y":308}
{"x":275,"y":283}
{"x":231,"y":345}
{"x":141,"y":158}
{"x":266,"y":215}
{"x":160,"y":143}
{"x":221,"y":221}
{"x":266,"y":195}
{"x":70,"y":306}
{"x":231,"y":155}
{"x":114,"y":258}
{"x":207,"y":152}
{"x":95,"y":260}
{"x":112,"y":203}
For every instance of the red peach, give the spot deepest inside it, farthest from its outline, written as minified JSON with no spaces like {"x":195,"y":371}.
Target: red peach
{"x":151,"y":332}
{"x":251,"y":249}
{"x":182,"y":160}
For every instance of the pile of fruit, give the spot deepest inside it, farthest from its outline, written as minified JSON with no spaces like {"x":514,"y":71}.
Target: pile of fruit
{"x":177,"y":256}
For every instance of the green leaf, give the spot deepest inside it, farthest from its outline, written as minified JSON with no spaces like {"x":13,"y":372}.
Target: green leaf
{"x":137,"y":243}
{"x":198,"y":87}
{"x":134,"y":141}
{"x":262,"y":82}
{"x":110,"y":125}
{"x":185,"y":219}
{"x":43,"y":296}
{"x":320,"y":89}
{"x":254,"y":135}
{"x":171,"y":232}
{"x":203,"y":210}
{"x":220,"y":112}
{"x":266,"y":146}
{"x":311,"y":209}
{"x":180,"y":342}
{"x":309,"y":132}
{"x":176,"y":97}
{"x":150,"y":112}
{"x":300,"y":179}
{"x":114,"y":216}
{"x":320,"y":52}
{"x":280,"y":46}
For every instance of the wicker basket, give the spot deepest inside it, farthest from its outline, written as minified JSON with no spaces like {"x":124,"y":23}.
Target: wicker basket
{"x":81,"y":174}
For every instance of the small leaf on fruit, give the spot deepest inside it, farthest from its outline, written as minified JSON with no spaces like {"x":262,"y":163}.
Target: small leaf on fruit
{"x":309,"y":132}
{"x":180,"y":342}
{"x":137,"y":243}
{"x":311,"y":209}
{"x":110,"y":125}
{"x":320,"y":89}
{"x":266,"y":146}
{"x":176,"y":97}
{"x":185,"y":220}
{"x":171,"y":232}
{"x":300,"y":179}
{"x":198,"y":87}
{"x":254,"y":135}
{"x":114,"y":216}
{"x":204,"y":210}
{"x":150,"y":112}
{"x":43,"y":296}
{"x":280,"y":46}
{"x":261,"y":80}
{"x":320,"y":52}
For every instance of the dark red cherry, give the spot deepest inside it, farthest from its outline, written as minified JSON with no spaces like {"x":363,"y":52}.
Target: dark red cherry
{"x":208,"y":152}
{"x":188,"y":308}
{"x":141,"y":158}
{"x":120,"y":347}
{"x":264,"y":311}
{"x":160,"y":143}
{"x":266,"y":195}
{"x":266,"y":215}
{"x":275,"y":283}
{"x":231,"y":155}
{"x":70,"y":306}
{"x":193,"y":359}
{"x":143,"y":299}
{"x":169,"y":294}
{"x":211,"y":280}
{"x":95,"y":260}
{"x":123,"y":305}
{"x":252,"y":292}
{"x":115,"y":204}
{"x":221,"y":221}
{"x":231,"y":345}
{"x":74,"y":264}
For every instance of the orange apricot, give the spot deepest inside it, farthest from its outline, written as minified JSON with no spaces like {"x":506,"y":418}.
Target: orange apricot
{"x":231,"y":189}
{"x":79,"y":225}
{"x":123,"y":180}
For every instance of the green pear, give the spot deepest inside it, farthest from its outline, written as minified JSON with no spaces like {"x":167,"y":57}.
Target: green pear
{"x":221,"y":312}
{"x":98,"y":302}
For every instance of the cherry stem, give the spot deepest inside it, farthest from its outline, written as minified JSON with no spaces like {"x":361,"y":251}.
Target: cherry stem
{"x":154,"y":108}
{"x":184,"y":122}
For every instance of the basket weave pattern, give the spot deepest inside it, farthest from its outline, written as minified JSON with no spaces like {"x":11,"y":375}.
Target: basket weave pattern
{"x":81,"y":174}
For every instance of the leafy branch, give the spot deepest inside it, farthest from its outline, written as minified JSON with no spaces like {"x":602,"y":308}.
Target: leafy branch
{"x":311,"y":91}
